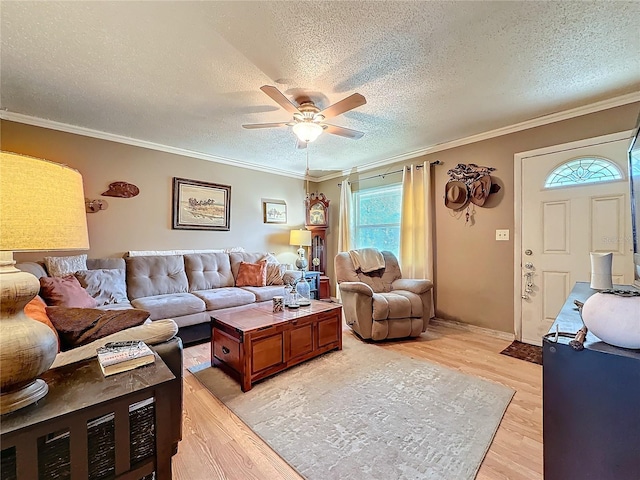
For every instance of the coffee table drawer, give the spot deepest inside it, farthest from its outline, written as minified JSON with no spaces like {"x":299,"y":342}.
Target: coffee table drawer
{"x":301,"y":340}
{"x":328,"y":330}
{"x":267,"y":352}
{"x":227,"y":349}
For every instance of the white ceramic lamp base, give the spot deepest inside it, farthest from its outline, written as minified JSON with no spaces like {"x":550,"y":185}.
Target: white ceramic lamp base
{"x":27,"y":347}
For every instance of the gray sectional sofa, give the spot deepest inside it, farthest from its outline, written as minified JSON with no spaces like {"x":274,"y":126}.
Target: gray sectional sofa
{"x":185,"y":288}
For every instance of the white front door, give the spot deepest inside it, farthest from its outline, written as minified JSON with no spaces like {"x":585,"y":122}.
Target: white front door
{"x":561,"y":225}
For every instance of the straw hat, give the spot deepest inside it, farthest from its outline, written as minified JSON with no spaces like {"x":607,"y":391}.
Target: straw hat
{"x":480,"y":190}
{"x":456,"y":195}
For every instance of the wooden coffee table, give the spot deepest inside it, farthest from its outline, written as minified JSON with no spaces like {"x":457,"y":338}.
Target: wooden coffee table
{"x":251,"y":342}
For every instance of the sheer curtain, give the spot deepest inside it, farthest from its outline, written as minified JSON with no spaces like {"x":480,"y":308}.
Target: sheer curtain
{"x":416,"y":224}
{"x":345,"y":242}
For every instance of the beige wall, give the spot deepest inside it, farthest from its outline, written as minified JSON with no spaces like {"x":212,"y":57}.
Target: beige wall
{"x":144,"y":222}
{"x":473,"y":272}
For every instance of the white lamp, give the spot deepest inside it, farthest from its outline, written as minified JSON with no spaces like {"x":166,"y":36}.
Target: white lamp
{"x":302,"y":238}
{"x":41,"y":209}
{"x":307,"y":131}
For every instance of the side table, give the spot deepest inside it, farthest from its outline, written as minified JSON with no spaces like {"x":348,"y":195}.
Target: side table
{"x":92,"y":426}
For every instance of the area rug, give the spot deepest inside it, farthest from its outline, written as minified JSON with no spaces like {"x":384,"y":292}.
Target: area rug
{"x":524,"y":351}
{"x":368,"y":413}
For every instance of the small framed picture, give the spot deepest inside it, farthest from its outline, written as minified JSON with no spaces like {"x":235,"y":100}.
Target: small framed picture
{"x":274,"y":211}
{"x":201,"y":205}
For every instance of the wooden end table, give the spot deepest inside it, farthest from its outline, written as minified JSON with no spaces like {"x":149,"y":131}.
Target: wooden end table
{"x":251,"y":342}
{"x":64,"y":421}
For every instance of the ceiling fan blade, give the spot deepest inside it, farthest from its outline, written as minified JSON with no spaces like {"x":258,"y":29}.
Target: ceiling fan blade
{"x":277,"y":96}
{"x":343,"y":132}
{"x":265,"y":125}
{"x":344,"y":105}
{"x":301,"y":145}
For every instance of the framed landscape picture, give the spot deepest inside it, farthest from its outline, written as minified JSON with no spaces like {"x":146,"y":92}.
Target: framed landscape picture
{"x":201,"y":205}
{"x":274,"y":211}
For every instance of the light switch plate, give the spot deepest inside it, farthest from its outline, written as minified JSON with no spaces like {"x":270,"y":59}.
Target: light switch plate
{"x":502,"y":235}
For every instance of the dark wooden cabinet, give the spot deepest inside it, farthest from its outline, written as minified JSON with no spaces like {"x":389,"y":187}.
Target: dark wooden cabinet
{"x":591,"y":404}
{"x":92,"y":426}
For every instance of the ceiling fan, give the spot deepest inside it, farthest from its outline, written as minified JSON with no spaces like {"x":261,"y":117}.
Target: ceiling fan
{"x":308,"y":120}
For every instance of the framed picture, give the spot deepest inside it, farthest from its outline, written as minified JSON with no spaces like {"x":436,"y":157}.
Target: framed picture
{"x":201,"y":205}
{"x":274,"y":211}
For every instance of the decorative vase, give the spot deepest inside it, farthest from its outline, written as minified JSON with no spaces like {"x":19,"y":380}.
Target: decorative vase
{"x":601,"y":271}
{"x":304,"y":291}
{"x":614,"y":318}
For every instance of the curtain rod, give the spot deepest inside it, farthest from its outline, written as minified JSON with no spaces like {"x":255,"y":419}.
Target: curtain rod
{"x":437,"y":162}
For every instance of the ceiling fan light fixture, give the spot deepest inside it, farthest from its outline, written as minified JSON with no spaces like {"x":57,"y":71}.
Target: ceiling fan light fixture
{"x":307,"y":132}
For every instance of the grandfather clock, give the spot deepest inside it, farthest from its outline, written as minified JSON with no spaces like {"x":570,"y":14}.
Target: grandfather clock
{"x":317,"y":221}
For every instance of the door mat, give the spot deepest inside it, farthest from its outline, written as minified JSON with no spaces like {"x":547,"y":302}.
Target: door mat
{"x":524,"y":351}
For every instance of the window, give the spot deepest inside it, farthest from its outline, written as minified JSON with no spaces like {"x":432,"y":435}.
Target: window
{"x":377,"y":218}
{"x":583,"y":170}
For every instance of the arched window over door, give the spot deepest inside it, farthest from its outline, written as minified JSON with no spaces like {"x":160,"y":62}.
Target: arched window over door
{"x":580,"y":171}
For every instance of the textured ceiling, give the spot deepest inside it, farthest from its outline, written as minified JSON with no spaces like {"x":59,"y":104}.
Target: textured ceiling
{"x":187,"y":74}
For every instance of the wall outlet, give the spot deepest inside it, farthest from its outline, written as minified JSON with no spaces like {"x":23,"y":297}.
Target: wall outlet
{"x":502,"y":235}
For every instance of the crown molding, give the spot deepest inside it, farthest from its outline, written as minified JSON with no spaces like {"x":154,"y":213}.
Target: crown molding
{"x":498,"y":132}
{"x":87,"y":132}
{"x":518,"y":127}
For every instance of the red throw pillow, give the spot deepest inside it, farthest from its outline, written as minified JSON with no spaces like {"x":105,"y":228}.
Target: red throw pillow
{"x":79,"y":326}
{"x":252,"y":274}
{"x":65,"y":292}
{"x":36,"y":309}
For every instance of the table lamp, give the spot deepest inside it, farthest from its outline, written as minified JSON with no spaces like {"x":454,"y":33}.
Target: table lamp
{"x":41,"y":209}
{"x":303,"y":239}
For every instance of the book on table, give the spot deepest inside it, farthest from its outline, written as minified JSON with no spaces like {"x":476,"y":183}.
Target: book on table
{"x":116,"y":357}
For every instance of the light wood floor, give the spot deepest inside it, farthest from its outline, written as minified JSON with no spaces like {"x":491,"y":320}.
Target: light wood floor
{"x":217,"y":445}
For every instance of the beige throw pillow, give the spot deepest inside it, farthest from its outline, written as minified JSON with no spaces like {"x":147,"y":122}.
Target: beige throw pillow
{"x":61,"y":266}
{"x":275,"y":274}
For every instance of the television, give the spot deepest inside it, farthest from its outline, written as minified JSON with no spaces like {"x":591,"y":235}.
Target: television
{"x":634,"y":183}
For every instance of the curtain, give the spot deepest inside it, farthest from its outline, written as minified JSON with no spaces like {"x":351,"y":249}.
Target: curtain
{"x":345,"y":242}
{"x":416,"y":225}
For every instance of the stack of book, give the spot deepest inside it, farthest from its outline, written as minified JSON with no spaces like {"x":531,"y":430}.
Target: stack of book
{"x":116,"y":357}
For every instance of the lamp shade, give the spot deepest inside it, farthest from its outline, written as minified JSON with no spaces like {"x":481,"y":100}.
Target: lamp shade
{"x":41,"y":205}
{"x":307,"y":131}
{"x":300,"y":237}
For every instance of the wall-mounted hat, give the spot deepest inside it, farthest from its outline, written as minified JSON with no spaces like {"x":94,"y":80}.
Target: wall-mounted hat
{"x":456,"y":195}
{"x":480,"y":190}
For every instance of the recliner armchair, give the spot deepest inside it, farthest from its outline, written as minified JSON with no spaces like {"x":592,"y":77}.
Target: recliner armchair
{"x":381,"y":304}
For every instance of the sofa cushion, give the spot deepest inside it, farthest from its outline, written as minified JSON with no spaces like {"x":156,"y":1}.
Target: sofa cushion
{"x":37,"y":310}
{"x":37,"y":269}
{"x":61,"y":266}
{"x":108,"y":262}
{"x":391,"y":305}
{"x":65,"y":292}
{"x":79,"y":326}
{"x":159,"y":275}
{"x":252,"y":274}
{"x":171,"y":305}
{"x":105,"y":285}
{"x":238,"y":257}
{"x":151,"y":334}
{"x":225,"y":297}
{"x":208,"y":270}
{"x":264,"y":294}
